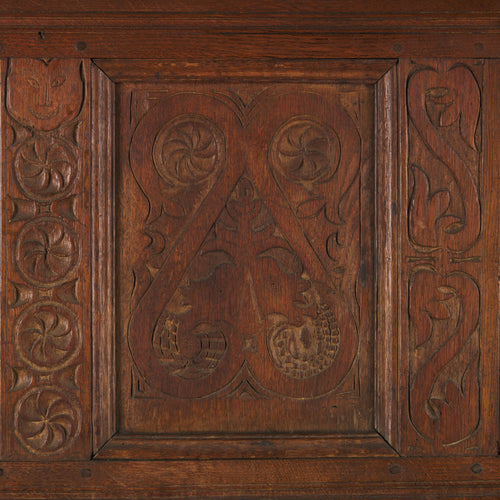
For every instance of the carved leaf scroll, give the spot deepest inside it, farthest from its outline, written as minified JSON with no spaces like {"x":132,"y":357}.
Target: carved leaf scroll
{"x":444,"y":227}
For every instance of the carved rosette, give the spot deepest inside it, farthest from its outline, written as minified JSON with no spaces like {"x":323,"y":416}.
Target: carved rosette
{"x":47,"y":420}
{"x":44,"y":102}
{"x":305,"y":151}
{"x":443,"y":257}
{"x":188,"y":149}
{"x":250,"y":306}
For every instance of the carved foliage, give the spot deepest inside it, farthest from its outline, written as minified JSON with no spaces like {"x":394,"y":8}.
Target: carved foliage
{"x":444,"y":225}
{"x":246,"y":307}
{"x":43,"y":101}
{"x":255,"y":282}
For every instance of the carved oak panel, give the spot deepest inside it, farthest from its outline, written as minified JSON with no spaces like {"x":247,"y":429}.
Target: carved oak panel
{"x":45,"y":304}
{"x":246,"y":265}
{"x":443,"y":258}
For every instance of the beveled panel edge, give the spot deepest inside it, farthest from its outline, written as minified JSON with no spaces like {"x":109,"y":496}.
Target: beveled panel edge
{"x":103,"y":248}
{"x":381,"y":74}
{"x":387,"y":213}
{"x":243,"y":70}
{"x":140,"y":447}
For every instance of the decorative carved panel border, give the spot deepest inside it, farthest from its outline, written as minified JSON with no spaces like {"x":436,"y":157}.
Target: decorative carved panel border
{"x":435,"y":340}
{"x":138,"y":128}
{"x":448,"y":250}
{"x":45,"y":255}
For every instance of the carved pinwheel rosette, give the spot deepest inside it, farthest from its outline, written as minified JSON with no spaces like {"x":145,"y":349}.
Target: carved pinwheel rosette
{"x":305,"y":151}
{"x":187,"y":150}
{"x":47,"y":336}
{"x":47,"y":420}
{"x":45,"y":168}
{"x":44,"y":102}
{"x":47,"y":251}
{"x":177,"y":156}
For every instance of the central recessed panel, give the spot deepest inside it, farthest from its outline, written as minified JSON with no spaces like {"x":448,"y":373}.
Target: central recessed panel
{"x":244,"y":236}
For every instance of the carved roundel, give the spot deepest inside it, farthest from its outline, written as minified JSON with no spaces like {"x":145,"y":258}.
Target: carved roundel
{"x":188,"y":149}
{"x":304,"y":150}
{"x":47,"y":336}
{"x":47,"y":251}
{"x":45,"y":169}
{"x":47,"y":420}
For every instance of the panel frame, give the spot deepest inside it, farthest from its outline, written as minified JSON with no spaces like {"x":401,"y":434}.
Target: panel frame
{"x":108,"y":443}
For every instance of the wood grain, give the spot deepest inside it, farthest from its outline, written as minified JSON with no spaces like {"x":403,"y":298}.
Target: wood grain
{"x":46,"y":290}
{"x":250,"y":250}
{"x":103,"y":276}
{"x":252,"y":286}
{"x":444,"y":258}
{"x":286,"y":478}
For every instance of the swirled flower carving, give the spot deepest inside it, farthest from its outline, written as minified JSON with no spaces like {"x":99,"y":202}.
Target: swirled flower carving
{"x":45,"y":169}
{"x":188,"y":149}
{"x":47,"y":336}
{"x":47,"y":251}
{"x":305,"y":151}
{"x":46,"y":420}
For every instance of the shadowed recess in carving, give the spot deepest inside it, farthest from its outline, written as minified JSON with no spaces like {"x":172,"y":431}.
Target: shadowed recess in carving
{"x":250,"y":297}
{"x":47,"y":251}
{"x":44,"y":93}
{"x":47,"y":336}
{"x":188,"y":149}
{"x":45,"y":168}
{"x":44,"y":103}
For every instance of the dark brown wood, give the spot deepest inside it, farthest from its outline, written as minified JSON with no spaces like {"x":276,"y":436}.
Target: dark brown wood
{"x":185,"y":44}
{"x":387,"y":213}
{"x":221,"y":29}
{"x":240,"y":446}
{"x":255,"y":255}
{"x":46,"y":285}
{"x":249,"y":249}
{"x":239,"y":70}
{"x":448,"y":345}
{"x":392,"y":477}
{"x":103,"y":276}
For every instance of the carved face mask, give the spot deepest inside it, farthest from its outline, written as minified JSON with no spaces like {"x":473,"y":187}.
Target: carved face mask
{"x":46,"y":94}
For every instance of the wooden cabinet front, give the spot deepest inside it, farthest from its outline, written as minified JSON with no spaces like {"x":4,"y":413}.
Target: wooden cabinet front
{"x":241,"y":277}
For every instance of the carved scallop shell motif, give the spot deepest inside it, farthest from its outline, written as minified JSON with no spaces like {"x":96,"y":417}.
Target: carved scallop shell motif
{"x":188,"y":149}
